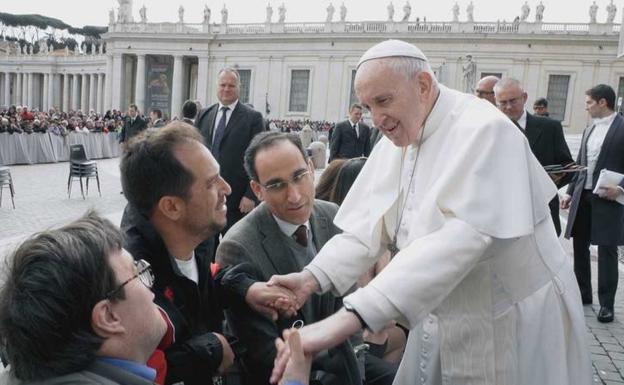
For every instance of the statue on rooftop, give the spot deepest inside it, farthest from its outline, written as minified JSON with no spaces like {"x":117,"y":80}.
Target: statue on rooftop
{"x":330,"y":13}
{"x":593,"y":10}
{"x":269,"y":13}
{"x":282,"y":13}
{"x":390,"y":9}
{"x":611,"y":10}
{"x":539,"y":12}
{"x":125,"y":11}
{"x":407,"y":11}
{"x":525,"y":10}
{"x":206,"y":14}
{"x":456,"y":12}
{"x":181,"y":15}
{"x":469,"y":12}
{"x":143,"y":14}
{"x":224,"y":15}
{"x":343,"y":12}
{"x":111,"y":16}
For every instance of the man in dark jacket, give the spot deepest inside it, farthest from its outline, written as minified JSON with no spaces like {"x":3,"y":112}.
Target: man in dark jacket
{"x":351,"y":138}
{"x":176,"y":200}
{"x":132,"y":125}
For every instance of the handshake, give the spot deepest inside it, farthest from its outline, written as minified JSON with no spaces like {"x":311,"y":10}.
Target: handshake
{"x":282,"y":295}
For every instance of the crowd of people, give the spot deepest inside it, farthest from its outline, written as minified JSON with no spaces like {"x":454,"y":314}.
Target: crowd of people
{"x":404,"y":264}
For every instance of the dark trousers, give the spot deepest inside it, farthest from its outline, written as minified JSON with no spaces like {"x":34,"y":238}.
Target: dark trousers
{"x":607,"y":257}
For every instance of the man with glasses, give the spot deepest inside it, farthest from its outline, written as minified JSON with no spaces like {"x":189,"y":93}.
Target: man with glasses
{"x":281,"y":236}
{"x":176,"y":200}
{"x":485,"y":88}
{"x":545,"y":135}
{"x":76,"y":308}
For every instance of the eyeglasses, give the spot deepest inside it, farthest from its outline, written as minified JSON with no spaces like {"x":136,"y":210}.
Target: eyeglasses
{"x":281,"y":186}
{"x":144,"y":274}
{"x":482,"y":92}
{"x":510,"y":102}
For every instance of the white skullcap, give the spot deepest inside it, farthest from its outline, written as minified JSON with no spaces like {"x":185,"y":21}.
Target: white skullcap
{"x":392,"y":48}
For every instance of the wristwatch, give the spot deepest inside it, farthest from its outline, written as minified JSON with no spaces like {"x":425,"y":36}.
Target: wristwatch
{"x":351,"y":309}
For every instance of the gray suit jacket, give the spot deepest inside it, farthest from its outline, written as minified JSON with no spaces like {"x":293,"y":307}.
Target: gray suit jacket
{"x":257,"y":240}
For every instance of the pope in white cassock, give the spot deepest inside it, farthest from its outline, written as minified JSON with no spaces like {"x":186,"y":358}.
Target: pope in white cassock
{"x":480,"y":278}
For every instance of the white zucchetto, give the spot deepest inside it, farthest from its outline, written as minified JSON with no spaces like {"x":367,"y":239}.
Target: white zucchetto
{"x":392,"y":48}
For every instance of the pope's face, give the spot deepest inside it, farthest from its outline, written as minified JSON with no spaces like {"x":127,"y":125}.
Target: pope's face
{"x":398,"y":105}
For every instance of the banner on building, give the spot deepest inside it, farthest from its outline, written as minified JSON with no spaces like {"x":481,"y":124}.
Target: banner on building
{"x":159,"y":82}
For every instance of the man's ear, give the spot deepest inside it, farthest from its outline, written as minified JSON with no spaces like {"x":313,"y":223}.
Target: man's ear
{"x":425,"y":82}
{"x":257,"y":189}
{"x":105,"y":321}
{"x":171,"y":207}
{"x":311,"y":168}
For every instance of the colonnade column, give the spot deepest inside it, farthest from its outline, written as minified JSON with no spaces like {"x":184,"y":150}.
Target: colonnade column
{"x":140,"y":83}
{"x":25,"y":77}
{"x":7,"y":89}
{"x":66,"y":107}
{"x":176,"y":94}
{"x":92,"y":95}
{"x":84,"y":94}
{"x":107,"y":105}
{"x":75,"y":103}
{"x":202,"y":80}
{"x":99,"y":106}
{"x":116,"y":81}
{"x":45,"y":102}
{"x":18,"y":88}
{"x":50,"y":96}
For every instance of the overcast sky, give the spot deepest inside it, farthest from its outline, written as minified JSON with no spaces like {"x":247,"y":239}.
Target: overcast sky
{"x":95,"y":12}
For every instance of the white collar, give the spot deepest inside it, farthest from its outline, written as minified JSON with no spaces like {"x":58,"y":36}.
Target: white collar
{"x":523,"y":120}
{"x":607,"y":120}
{"x":230,"y":106}
{"x":439,"y":111}
{"x":287,"y":227}
{"x":351,"y":123}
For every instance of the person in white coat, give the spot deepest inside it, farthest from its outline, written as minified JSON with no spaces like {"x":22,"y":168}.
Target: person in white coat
{"x":478,"y":274}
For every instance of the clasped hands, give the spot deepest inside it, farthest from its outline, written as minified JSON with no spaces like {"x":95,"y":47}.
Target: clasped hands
{"x":282,"y":295}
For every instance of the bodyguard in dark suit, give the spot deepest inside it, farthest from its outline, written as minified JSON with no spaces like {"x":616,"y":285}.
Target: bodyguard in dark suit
{"x":545,"y":135}
{"x":351,"y":138}
{"x":132,"y":125}
{"x":596,"y":218}
{"x":228,"y":127}
{"x":281,"y":236}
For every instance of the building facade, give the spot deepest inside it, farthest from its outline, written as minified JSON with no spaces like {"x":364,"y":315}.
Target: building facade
{"x":306,"y":70}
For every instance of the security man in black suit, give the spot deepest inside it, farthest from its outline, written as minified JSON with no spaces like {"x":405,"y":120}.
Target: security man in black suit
{"x":545,"y":135}
{"x":351,"y":138}
{"x":132,"y":125}
{"x":597,"y":218}
{"x":228,"y":126}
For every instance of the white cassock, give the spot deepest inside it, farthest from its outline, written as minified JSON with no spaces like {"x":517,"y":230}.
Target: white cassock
{"x":481,"y":279}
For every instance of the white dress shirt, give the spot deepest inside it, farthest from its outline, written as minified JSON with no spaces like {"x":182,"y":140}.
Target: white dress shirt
{"x":356,"y":127}
{"x":228,"y":115}
{"x":594,"y":144}
{"x":522,"y":120}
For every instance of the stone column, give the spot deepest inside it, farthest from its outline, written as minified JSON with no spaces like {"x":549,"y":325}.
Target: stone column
{"x":176,"y":94}
{"x":139,"y":91}
{"x":75,"y":101}
{"x":116,"y":77}
{"x":202,"y":80}
{"x":66,"y":107}
{"x":18,"y":88}
{"x":50,"y":96}
{"x":99,"y":106}
{"x":44,"y":98}
{"x":7,"y":89}
{"x":84,"y":94}
{"x":107,"y":105}
{"x":24,"y":101}
{"x":92,"y":94}
{"x":31,"y":91}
